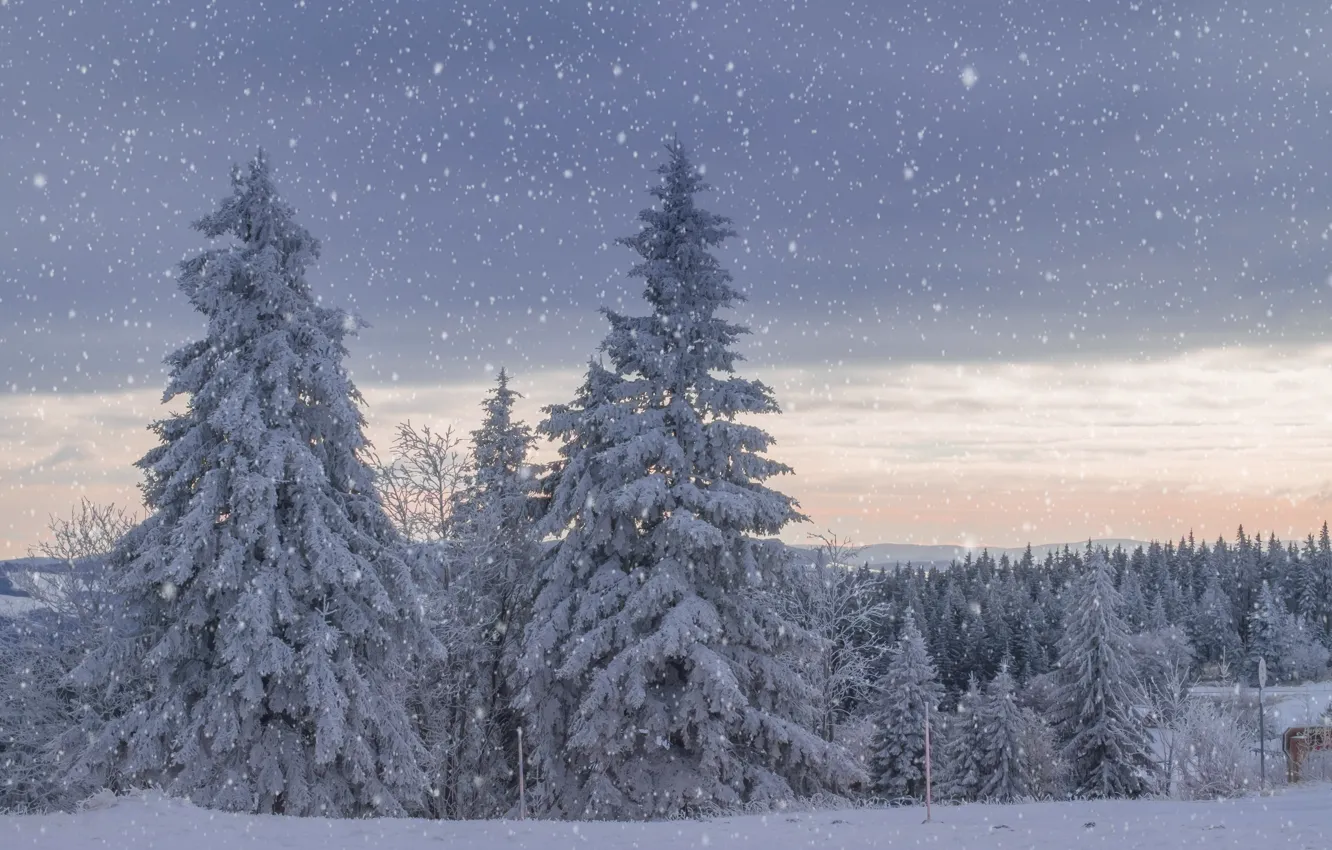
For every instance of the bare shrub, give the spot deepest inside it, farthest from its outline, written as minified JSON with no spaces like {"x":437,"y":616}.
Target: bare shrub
{"x":38,"y":705}
{"x":420,"y":482}
{"x":1216,"y":752}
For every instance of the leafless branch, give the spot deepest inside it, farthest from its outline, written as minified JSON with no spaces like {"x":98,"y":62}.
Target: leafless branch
{"x":418,"y":483}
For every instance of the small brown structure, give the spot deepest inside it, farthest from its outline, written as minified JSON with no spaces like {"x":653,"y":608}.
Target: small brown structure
{"x":1298,"y":742}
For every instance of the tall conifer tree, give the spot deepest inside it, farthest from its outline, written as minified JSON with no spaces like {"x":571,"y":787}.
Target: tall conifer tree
{"x":959,"y":775}
{"x":1105,"y":742}
{"x":1212,"y":626}
{"x":1270,"y":636}
{"x":658,"y":674}
{"x":265,"y":597}
{"x":909,"y":691}
{"x":1003,"y":763}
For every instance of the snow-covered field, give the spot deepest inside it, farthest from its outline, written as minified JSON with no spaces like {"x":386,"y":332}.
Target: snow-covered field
{"x":1300,"y":817}
{"x":12,"y":606}
{"x":1290,"y":705}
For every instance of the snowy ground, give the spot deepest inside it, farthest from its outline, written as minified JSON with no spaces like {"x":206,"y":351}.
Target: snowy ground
{"x":1291,"y":705}
{"x":12,"y":606}
{"x":1300,"y":817}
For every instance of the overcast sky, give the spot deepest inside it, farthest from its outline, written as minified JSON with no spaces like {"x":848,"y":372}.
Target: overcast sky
{"x":1018,"y":271}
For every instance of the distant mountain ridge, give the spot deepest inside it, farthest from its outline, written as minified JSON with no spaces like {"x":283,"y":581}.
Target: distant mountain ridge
{"x":21,"y":565}
{"x":888,"y":554}
{"x":875,"y":554}
{"x":34,"y":562}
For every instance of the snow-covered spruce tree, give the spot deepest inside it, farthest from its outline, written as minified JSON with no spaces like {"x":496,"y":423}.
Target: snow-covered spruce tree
{"x":265,"y":595}
{"x":657,"y":674}
{"x":1046,"y":769}
{"x":1292,"y":649}
{"x":1105,"y":745}
{"x":470,"y":725}
{"x":1313,"y":600}
{"x":897,"y":753}
{"x":1212,"y":626}
{"x":498,"y":507}
{"x":1308,"y":657}
{"x":1135,"y":604}
{"x":1003,"y":763}
{"x":958,"y":775}
{"x":1269,"y":636}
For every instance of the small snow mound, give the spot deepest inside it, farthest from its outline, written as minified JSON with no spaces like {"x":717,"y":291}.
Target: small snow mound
{"x":155,"y":798}
{"x":150,"y":798}
{"x":104,"y":799}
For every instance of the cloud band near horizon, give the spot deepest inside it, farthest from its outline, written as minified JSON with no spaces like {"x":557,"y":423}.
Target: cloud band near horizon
{"x":996,"y":454}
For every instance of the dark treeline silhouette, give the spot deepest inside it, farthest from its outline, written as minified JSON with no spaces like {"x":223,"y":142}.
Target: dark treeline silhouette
{"x":979,"y":611}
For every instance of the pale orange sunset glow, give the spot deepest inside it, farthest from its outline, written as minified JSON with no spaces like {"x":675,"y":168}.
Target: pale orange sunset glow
{"x":978,"y":454}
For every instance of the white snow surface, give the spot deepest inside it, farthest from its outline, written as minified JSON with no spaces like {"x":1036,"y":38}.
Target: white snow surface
{"x":1290,"y":705}
{"x":13,"y":606}
{"x":1299,"y":817}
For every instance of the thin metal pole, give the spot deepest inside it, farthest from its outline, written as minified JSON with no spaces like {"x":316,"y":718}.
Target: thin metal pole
{"x":522,"y":788}
{"x":927,"y":762}
{"x":1262,"y":740}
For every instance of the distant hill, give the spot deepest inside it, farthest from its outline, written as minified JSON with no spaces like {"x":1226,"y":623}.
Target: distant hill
{"x":889,"y":554}
{"x":25,"y":565}
{"x":876,"y":555}
{"x":21,"y":565}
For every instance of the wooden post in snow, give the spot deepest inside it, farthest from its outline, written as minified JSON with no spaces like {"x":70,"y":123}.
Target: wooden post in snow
{"x":522,"y":789}
{"x":927,"y":762}
{"x":1262,"y":726}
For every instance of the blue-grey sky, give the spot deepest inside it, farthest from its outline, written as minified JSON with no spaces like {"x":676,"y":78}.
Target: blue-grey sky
{"x":955,"y":188}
